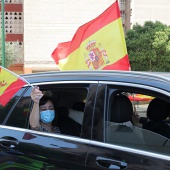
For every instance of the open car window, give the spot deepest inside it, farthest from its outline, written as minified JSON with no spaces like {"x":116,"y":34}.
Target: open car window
{"x":70,"y":102}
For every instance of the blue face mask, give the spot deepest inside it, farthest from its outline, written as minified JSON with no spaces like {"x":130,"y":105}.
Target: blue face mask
{"x":47,"y":116}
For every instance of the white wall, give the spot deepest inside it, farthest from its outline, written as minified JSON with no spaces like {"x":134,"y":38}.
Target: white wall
{"x":150,"y":10}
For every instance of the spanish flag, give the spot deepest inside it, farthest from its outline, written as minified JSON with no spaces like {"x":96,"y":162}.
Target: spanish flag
{"x":10,"y":83}
{"x":97,"y":45}
{"x":140,"y":97}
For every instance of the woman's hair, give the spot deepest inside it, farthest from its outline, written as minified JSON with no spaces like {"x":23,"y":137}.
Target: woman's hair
{"x":44,"y":100}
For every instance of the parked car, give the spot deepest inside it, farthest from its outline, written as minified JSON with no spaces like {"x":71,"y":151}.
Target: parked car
{"x":102,"y":134}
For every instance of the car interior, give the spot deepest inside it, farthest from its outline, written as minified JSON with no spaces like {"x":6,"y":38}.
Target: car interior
{"x":152,"y":127}
{"x":70,"y":104}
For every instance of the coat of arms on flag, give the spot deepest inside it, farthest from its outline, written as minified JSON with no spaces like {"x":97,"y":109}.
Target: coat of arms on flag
{"x":96,"y":56}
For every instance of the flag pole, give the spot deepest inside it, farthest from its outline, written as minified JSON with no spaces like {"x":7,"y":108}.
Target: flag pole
{"x":3,"y":34}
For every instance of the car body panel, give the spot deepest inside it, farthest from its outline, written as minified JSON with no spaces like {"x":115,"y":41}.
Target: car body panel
{"x":150,"y":79}
{"x":47,"y":150}
{"x":105,"y":156}
{"x":22,"y":148}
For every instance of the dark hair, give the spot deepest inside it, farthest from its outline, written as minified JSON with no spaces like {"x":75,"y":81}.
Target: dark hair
{"x":44,"y":100}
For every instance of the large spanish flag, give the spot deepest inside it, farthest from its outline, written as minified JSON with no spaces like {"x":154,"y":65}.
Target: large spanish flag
{"x":10,"y":83}
{"x":97,"y":45}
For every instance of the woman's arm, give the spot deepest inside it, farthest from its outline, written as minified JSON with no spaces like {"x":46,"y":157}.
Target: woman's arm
{"x":36,"y":95}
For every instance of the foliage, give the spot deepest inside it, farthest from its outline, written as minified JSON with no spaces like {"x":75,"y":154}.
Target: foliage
{"x":10,"y":53}
{"x":148,"y":47}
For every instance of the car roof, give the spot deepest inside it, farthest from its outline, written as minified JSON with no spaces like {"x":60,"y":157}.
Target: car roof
{"x":156,"y":79}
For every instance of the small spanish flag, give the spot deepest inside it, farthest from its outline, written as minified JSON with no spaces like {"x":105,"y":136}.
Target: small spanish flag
{"x":10,"y":83}
{"x":97,"y":45}
{"x":140,"y":97}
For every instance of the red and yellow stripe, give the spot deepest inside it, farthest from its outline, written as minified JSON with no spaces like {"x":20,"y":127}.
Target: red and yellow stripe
{"x":140,"y":97}
{"x":9,"y":85}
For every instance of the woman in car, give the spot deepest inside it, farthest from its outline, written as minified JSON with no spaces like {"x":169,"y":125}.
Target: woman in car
{"x":43,"y":112}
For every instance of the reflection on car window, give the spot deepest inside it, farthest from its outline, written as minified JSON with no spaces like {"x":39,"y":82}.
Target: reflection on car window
{"x":5,"y":110}
{"x":19,"y":116}
{"x":137,"y":138}
{"x":151,"y":130}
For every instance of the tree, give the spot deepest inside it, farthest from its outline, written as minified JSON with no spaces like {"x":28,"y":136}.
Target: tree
{"x":9,"y":53}
{"x":148,"y":47}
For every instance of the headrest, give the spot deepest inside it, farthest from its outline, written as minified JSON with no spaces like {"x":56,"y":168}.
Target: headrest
{"x":122,"y":109}
{"x":79,"y":106}
{"x":158,"y":110}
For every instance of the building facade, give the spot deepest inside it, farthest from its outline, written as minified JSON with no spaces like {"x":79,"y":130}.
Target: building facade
{"x":14,"y":30}
{"x":37,"y":26}
{"x":150,"y":10}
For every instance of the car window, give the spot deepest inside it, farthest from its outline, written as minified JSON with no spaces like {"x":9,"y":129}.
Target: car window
{"x":19,"y":115}
{"x":148,"y":130}
{"x":7,"y":109}
{"x":70,"y":103}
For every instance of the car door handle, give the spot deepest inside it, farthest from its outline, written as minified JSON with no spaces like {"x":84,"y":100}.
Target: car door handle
{"x":8,"y":143}
{"x":111,"y":163}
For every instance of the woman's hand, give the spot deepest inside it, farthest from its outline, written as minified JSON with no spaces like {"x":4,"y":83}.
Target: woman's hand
{"x":36,"y":94}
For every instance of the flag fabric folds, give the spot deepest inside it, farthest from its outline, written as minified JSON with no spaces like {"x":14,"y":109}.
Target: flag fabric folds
{"x":97,"y":45}
{"x":140,"y":97}
{"x":10,"y":83}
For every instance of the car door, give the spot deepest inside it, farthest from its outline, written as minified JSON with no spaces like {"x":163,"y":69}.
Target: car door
{"x":117,"y":146}
{"x":23,"y":148}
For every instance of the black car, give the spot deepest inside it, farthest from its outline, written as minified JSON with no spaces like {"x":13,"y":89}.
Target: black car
{"x":100,"y":132}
